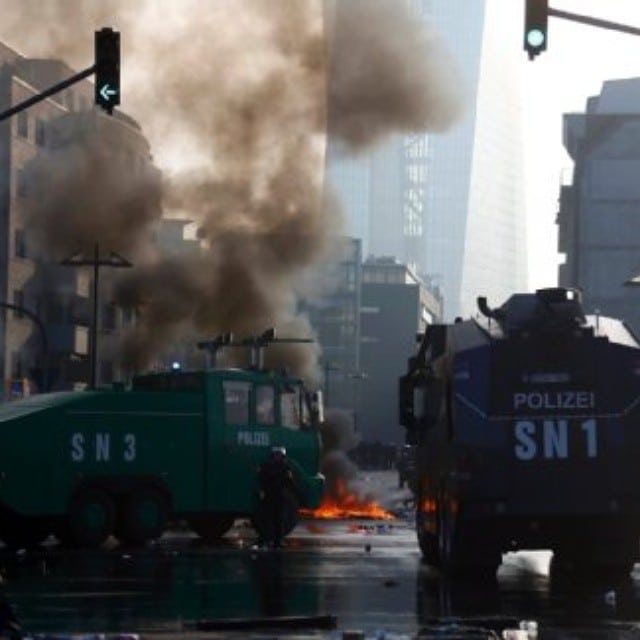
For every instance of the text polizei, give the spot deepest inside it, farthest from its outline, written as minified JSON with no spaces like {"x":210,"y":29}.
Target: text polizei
{"x":554,"y":400}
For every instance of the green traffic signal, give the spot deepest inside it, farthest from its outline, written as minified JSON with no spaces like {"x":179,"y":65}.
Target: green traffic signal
{"x":535,"y":38}
{"x":535,"y":26}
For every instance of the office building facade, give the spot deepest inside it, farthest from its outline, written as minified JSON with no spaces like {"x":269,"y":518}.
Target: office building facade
{"x":335,"y":317}
{"x":46,"y":338}
{"x":599,"y":226}
{"x":396,"y":306}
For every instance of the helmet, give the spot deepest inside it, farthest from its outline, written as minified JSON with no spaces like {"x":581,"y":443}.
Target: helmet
{"x":278,"y":451}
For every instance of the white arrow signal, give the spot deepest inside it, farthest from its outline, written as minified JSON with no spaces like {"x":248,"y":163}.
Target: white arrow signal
{"x":106,"y":92}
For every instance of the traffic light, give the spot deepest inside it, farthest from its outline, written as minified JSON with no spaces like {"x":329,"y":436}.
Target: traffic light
{"x":107,"y":57}
{"x":535,"y":26}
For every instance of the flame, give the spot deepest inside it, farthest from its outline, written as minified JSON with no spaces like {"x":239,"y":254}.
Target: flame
{"x":346,"y":504}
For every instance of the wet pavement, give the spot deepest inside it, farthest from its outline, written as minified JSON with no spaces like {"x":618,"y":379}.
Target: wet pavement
{"x":361,"y":575}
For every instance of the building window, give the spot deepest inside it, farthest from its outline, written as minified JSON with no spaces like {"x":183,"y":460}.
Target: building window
{"x":426,"y":317}
{"x":81,"y":340}
{"x":18,"y":300}
{"x":20,"y":249}
{"x":23,"y":124}
{"x":41,"y":137}
{"x":21,"y":183}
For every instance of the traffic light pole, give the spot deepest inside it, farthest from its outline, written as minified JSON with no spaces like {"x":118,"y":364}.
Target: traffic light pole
{"x":48,"y":92}
{"x":594,"y":22}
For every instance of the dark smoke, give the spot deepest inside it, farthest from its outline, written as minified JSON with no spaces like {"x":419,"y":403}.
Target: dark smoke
{"x":182,"y":296}
{"x":83,"y":193}
{"x":338,"y":438}
{"x":388,"y":73}
{"x":235,"y":96}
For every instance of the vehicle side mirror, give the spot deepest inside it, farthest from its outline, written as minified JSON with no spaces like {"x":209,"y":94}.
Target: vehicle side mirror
{"x":420,"y":401}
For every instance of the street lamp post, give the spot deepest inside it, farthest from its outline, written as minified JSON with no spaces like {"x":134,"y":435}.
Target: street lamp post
{"x":112,"y":260}
{"x":356,"y":377}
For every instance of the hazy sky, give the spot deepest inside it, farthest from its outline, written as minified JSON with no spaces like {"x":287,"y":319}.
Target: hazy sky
{"x":578,"y":59}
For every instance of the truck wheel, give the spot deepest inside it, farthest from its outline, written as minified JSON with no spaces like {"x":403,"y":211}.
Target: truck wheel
{"x":459,"y":552}
{"x":143,"y":516}
{"x":437,"y":547}
{"x":211,"y":527}
{"x":23,"y":532}
{"x":427,"y":541}
{"x":445,"y":538}
{"x":91,"y":517}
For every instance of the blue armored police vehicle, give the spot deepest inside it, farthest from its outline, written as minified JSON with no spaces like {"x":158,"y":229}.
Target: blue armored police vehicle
{"x":526,"y":422}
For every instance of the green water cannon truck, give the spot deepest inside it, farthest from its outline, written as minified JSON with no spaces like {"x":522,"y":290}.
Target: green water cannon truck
{"x":172,"y":446}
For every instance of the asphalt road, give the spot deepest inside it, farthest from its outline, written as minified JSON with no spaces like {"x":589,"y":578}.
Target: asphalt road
{"x":367,"y":576}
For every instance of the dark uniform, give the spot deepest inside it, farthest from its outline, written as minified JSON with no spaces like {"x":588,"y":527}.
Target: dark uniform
{"x":276,"y":488}
{"x":9,"y":625}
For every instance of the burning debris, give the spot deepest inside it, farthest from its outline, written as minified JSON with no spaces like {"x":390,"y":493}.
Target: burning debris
{"x":342,"y":498}
{"x":343,"y":503}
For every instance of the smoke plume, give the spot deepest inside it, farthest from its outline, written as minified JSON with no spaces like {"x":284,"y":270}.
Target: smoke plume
{"x":87,"y":195}
{"x":388,"y":73}
{"x":236,"y":97}
{"x":338,"y":438}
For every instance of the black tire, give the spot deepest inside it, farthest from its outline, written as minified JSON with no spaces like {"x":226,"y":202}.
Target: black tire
{"x":91,"y":517}
{"x":142,"y":516}
{"x":445,"y":539}
{"x":261,"y":518}
{"x":428,"y":543}
{"x":23,"y":532}
{"x":211,"y":527}
{"x":457,"y":550}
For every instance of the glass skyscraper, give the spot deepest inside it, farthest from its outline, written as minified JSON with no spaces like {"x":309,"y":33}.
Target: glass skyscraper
{"x":451,"y":205}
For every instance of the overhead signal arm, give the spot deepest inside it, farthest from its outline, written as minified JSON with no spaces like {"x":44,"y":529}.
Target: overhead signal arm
{"x":106,"y":68}
{"x":535,"y":25}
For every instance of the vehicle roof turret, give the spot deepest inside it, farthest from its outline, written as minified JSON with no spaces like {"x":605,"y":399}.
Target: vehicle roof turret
{"x":552,"y":309}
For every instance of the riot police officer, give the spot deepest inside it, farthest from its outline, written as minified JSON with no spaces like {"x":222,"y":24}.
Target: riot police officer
{"x":276,"y":486}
